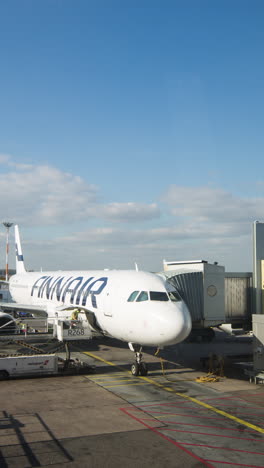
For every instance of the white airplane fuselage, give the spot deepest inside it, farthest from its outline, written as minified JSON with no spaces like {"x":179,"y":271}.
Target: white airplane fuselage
{"x":147,"y":317}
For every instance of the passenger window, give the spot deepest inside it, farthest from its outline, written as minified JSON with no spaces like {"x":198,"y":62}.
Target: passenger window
{"x":143,"y":296}
{"x":158,"y":296}
{"x":132,"y":296}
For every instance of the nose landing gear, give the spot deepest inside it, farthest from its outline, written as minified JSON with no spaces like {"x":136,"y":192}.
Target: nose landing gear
{"x":138,"y":367}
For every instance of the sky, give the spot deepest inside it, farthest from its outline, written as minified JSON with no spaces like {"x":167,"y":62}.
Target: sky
{"x":131,"y":131}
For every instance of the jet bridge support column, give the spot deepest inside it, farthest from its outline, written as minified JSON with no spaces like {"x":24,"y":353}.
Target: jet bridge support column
{"x":258,"y":303}
{"x":258,"y":276}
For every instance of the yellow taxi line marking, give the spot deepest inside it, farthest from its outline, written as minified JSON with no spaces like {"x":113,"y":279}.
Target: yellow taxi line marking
{"x":126,"y":384}
{"x":109,"y":381}
{"x":100,"y":359}
{"x":110,"y":378}
{"x":194,"y":400}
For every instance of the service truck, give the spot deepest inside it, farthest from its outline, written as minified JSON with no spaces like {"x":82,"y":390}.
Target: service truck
{"x":17,"y":366}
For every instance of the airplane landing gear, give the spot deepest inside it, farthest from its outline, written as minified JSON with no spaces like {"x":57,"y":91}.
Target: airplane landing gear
{"x":138,"y":367}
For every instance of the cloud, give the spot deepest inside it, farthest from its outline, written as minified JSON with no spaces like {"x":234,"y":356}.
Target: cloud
{"x":99,"y":248}
{"x":202,"y":222}
{"x":208,"y":204}
{"x":44,"y":195}
{"x":5,"y":159}
{"x":130,"y":211}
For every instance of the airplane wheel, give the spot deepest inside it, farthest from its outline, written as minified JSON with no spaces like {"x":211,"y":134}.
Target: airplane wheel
{"x":135,"y":369}
{"x":143,"y":369}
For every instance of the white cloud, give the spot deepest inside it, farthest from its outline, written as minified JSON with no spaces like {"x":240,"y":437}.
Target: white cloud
{"x":44,"y":195}
{"x":5,"y":159}
{"x":202,"y":222}
{"x":130,"y":211}
{"x":100,"y":248}
{"x":215,"y":205}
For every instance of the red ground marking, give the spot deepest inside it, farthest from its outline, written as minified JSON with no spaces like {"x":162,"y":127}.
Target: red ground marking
{"x":157,"y":404}
{"x":230,"y":406}
{"x":210,"y":434}
{"x":162,"y":421}
{"x":179,"y":406}
{"x":222,"y":448}
{"x":168,"y":439}
{"x":201,"y":425}
{"x":208,"y":409}
{"x":247,"y":414}
{"x":187,"y":415}
{"x":195,"y":404}
{"x":234,"y":464}
{"x":233,"y":398}
{"x":239,"y":406}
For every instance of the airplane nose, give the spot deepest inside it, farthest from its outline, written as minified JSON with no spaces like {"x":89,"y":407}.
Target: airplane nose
{"x":175,"y":325}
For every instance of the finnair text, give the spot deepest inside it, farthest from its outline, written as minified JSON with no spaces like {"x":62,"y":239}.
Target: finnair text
{"x":79,"y":289}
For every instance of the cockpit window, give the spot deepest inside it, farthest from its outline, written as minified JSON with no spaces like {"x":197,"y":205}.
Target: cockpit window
{"x":158,"y":296}
{"x":132,"y":296}
{"x":143,"y":296}
{"x":153,"y":296}
{"x":174,"y":296}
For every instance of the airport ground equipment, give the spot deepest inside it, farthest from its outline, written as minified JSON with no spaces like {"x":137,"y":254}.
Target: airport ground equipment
{"x":72,"y":330}
{"x":44,"y":364}
{"x":41,"y":365}
{"x":202,"y":286}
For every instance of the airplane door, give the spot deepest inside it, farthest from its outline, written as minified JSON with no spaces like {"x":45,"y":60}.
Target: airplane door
{"x":108,"y":306}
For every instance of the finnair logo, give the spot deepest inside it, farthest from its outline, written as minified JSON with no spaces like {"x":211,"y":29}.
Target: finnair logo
{"x":19,"y":257}
{"x":78,"y":288}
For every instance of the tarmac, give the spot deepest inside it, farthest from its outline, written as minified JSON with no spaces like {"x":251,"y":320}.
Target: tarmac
{"x":111,"y":419}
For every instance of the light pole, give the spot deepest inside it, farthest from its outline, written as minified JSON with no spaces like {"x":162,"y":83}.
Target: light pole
{"x":8,"y":226}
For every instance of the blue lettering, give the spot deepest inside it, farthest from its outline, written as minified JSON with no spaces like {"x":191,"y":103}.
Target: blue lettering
{"x":35,"y":285}
{"x":82,"y":289}
{"x":48,"y":285}
{"x":79,"y":279}
{"x":94,"y":293}
{"x":55,"y":284}
{"x":59,"y":287}
{"x":41,"y":289}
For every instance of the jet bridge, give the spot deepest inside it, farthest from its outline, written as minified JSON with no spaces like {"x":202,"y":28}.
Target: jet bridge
{"x":202,"y":286}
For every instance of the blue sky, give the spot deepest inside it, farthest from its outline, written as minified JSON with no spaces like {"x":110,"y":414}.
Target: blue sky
{"x":132,"y":131}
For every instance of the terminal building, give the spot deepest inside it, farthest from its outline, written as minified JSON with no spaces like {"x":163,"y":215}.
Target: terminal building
{"x":4,"y":289}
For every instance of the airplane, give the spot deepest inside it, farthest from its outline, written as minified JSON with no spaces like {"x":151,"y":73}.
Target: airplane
{"x":7,"y":323}
{"x":129,"y":305}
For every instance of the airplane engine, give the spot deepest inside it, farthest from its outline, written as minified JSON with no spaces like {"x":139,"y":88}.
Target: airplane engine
{"x":7,"y":324}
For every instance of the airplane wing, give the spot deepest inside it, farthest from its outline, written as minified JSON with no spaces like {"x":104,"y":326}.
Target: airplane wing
{"x":41,"y":311}
{"x":15,"y":306}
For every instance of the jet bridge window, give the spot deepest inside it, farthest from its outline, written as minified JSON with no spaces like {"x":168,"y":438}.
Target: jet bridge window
{"x":158,"y":296}
{"x":132,"y":296}
{"x":174,"y":296}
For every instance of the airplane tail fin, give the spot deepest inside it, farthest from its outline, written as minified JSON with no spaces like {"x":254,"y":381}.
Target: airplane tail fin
{"x":20,"y":268}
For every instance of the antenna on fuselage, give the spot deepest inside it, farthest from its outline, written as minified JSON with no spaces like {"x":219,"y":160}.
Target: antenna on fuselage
{"x":136,"y":266}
